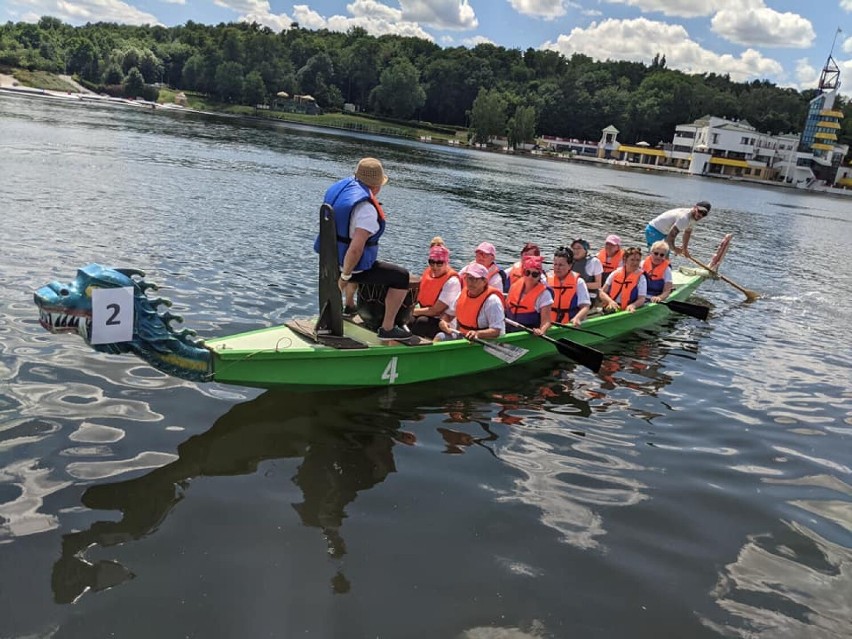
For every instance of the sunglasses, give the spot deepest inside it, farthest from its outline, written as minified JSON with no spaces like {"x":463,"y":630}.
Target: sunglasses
{"x":659,"y":254}
{"x":532,"y":273}
{"x":437,"y":262}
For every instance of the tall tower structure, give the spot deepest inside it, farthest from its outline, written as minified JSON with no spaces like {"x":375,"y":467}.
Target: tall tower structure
{"x":822,"y":123}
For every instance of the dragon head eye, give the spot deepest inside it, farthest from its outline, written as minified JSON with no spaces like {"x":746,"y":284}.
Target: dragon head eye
{"x":64,"y":292}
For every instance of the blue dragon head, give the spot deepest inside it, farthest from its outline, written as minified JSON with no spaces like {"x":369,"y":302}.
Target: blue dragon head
{"x":67,"y":308}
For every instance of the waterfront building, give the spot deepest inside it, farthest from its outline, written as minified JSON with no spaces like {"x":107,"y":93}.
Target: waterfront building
{"x":822,"y":125}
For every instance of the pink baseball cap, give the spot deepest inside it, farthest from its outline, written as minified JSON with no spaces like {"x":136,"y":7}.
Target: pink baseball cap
{"x":476,"y":270}
{"x":486,"y":247}
{"x":532,"y":262}
{"x":439,"y":253}
{"x":613,"y":239}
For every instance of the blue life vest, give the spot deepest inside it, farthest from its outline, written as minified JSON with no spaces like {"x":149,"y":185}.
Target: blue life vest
{"x":342,"y":196}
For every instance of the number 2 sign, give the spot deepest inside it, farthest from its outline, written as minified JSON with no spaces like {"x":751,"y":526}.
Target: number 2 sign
{"x":112,"y":315}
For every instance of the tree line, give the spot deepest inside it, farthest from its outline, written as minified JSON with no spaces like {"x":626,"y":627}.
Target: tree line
{"x":490,"y":89}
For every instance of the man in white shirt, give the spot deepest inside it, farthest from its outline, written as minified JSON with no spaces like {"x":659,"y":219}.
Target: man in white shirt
{"x":666,"y":226}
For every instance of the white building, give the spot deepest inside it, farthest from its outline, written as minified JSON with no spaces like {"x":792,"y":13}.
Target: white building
{"x":716,"y":146}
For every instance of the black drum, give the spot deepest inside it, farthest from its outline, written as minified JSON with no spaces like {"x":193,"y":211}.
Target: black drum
{"x":371,"y":303}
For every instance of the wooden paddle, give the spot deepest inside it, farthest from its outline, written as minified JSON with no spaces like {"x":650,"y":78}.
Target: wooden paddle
{"x":506,"y":352}
{"x":584,"y":355}
{"x":750,"y":295}
{"x":693,"y":310}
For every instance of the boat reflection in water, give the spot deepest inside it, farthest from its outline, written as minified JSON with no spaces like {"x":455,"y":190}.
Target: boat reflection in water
{"x":337,"y":463}
{"x":346,"y":446}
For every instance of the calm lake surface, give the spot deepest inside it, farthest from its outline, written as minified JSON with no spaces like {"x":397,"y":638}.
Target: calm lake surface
{"x":699,"y":486}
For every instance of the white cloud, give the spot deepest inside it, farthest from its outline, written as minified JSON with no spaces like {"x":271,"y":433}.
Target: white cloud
{"x":82,"y":11}
{"x":244,"y":6}
{"x":591,"y":13}
{"x":847,"y":44}
{"x":641,"y":39}
{"x":764,"y":26}
{"x":472,"y":42}
{"x":442,"y":14}
{"x":807,"y":75}
{"x":547,"y":9}
{"x":308,"y":18}
{"x":174,"y":1}
{"x":374,"y":17}
{"x":846,"y":4}
{"x":690,"y":8}
{"x":257,"y":11}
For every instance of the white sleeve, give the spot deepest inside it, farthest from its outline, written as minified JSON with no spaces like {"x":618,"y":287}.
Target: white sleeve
{"x":607,"y":286}
{"x":583,"y":298}
{"x":642,"y":286}
{"x":544,"y":298}
{"x":684,"y":220}
{"x":364,"y":216}
{"x":667,"y":276}
{"x":495,"y":281}
{"x":451,"y":308}
{"x":594,"y":266}
{"x":450,"y":292}
{"x":495,"y":316}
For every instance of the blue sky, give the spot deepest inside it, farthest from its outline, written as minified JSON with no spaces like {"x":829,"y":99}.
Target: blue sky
{"x":784,"y":41}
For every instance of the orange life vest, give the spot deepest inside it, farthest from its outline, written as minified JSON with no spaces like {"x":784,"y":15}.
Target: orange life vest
{"x":564,"y":296}
{"x":467,"y":308}
{"x":515,"y":273}
{"x":520,"y":306}
{"x":430,"y":287}
{"x":656,"y":276}
{"x":626,"y":286}
{"x":610,"y":263}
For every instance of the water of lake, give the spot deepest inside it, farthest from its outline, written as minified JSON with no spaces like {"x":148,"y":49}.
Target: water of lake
{"x":699,"y":486}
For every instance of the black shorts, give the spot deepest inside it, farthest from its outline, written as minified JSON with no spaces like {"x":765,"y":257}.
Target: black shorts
{"x":384,"y":273}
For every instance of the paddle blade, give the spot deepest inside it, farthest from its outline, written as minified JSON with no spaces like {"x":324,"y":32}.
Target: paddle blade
{"x":506,"y":352}
{"x":693,"y":310}
{"x":583,"y":355}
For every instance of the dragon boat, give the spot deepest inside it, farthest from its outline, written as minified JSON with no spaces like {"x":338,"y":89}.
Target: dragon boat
{"x":315,"y":354}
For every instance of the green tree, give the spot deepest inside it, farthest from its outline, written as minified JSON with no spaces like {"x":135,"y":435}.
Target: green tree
{"x":487,"y":116}
{"x":134,"y":84}
{"x":255,"y":89}
{"x":192,"y":72}
{"x":130,"y":58}
{"x":399,"y":93}
{"x":314,"y":77}
{"x":151,"y":67}
{"x":522,"y":126}
{"x":113,"y":74}
{"x":229,"y":82}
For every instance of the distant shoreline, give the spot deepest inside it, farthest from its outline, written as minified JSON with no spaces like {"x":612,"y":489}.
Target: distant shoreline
{"x":9,"y":85}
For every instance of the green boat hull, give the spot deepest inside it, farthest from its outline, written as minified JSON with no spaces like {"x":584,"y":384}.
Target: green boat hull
{"x":279,"y":357}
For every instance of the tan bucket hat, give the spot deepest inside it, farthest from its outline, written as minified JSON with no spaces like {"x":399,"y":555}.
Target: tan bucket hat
{"x":370,"y":172}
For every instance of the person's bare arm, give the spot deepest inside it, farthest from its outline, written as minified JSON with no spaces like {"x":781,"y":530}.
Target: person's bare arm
{"x":355,"y":251}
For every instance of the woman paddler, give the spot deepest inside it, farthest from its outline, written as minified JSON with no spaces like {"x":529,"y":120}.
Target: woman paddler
{"x":588,"y":267}
{"x":571,"y":300}
{"x":439,"y":288}
{"x":529,"y":299}
{"x":611,"y":255}
{"x":626,"y":288}
{"x":658,"y":271}
{"x":516,"y":271}
{"x":478,"y":311}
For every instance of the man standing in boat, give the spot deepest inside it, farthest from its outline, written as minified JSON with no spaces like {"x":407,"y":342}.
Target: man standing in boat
{"x":666,"y":226}
{"x":360,"y":223}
